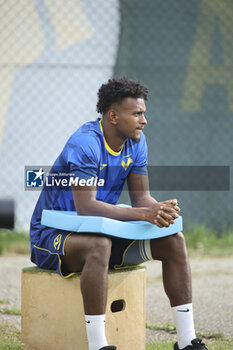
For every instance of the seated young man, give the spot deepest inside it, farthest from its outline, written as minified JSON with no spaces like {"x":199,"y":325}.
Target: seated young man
{"x":113,"y":149}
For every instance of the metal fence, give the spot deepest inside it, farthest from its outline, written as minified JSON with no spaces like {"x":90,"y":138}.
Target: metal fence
{"x":55,"y":54}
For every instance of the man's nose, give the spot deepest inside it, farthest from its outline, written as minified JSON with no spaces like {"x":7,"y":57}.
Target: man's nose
{"x":143,"y":120}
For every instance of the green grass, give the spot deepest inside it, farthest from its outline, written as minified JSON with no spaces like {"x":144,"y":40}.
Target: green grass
{"x":204,"y":241}
{"x":10,"y":338}
{"x":169,"y":328}
{"x":14,"y":242}
{"x":8,"y":311}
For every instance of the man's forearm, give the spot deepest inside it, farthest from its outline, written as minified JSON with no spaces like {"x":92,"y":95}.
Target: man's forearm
{"x":144,"y":201}
{"x":99,"y":208}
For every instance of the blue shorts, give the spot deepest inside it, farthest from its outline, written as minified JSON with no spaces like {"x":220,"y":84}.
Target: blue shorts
{"x":46,"y":252}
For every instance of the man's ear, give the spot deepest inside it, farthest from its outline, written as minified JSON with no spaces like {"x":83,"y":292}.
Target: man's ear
{"x":113,"y":116}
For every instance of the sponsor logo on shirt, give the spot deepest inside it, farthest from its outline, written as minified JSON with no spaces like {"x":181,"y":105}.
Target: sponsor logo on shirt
{"x":57,"y":242}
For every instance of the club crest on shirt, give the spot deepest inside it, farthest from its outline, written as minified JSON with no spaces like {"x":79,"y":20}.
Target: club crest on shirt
{"x":125,"y":165}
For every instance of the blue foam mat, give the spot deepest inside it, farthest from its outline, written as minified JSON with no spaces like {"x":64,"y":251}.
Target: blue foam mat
{"x":70,"y":221}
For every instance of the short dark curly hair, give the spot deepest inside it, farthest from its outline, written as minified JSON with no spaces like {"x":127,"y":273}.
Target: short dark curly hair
{"x":116,"y":90}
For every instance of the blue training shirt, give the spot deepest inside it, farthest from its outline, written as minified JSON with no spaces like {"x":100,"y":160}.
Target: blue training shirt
{"x":87,"y":156}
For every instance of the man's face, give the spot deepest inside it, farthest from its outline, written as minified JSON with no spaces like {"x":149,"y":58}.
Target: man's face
{"x":130,"y":118}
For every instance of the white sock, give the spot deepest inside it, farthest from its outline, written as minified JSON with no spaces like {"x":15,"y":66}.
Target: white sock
{"x":183,"y":318}
{"x":95,"y":326}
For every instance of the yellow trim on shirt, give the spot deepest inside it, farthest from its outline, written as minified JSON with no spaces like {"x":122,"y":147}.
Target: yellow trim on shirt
{"x":108,"y":148}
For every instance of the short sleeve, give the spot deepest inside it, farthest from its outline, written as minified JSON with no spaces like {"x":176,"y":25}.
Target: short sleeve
{"x":82,"y":154}
{"x":140,"y":163}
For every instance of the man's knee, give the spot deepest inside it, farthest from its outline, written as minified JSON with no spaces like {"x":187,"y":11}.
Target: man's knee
{"x":99,"y":249}
{"x":82,"y":248}
{"x":177,"y":247}
{"x":177,"y":241}
{"x":170,"y":247}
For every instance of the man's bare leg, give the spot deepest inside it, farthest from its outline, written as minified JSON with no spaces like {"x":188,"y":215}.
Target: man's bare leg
{"x":90,"y":254}
{"x":172,"y":252}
